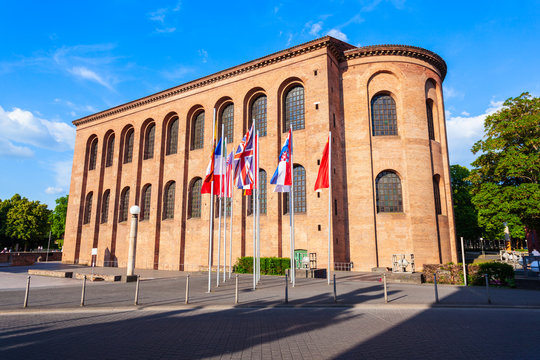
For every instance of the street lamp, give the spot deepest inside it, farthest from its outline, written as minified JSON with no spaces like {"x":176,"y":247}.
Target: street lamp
{"x":134,"y":211}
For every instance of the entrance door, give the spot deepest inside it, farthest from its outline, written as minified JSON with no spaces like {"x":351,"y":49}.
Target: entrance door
{"x":299,"y":256}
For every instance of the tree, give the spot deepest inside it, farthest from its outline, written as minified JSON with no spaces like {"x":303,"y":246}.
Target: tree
{"x":27,"y":220}
{"x":506,"y":174}
{"x":58,"y":219}
{"x":5,"y":205}
{"x":465,"y":213}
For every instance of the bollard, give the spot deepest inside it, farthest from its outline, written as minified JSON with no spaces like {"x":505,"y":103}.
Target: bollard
{"x":335,"y":293}
{"x":487,"y":288}
{"x":137,"y":290}
{"x":27,"y":292}
{"x":83,"y":290}
{"x":236,"y":291}
{"x":385,"y":290}
{"x":286,"y":289}
{"x":187,"y":289}
{"x":436,"y":291}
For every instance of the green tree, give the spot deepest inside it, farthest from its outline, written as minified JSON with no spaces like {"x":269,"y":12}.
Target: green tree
{"x":5,"y":205}
{"x":27,"y":221}
{"x":465,"y":213}
{"x":58,"y":219}
{"x":506,"y":174}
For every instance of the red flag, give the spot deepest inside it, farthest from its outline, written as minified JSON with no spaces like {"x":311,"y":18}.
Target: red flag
{"x":206,"y":186}
{"x":322,"y":178}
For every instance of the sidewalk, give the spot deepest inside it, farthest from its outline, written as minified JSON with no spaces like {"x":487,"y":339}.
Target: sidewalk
{"x":160,"y":288}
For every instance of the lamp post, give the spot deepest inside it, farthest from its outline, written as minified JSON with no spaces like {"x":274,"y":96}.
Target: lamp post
{"x":134,"y":211}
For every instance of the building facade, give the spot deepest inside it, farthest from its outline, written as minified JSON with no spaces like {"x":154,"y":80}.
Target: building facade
{"x":390,"y":169}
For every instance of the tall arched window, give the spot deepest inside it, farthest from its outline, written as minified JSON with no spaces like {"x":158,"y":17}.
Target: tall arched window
{"x":227,"y":119}
{"x":124,"y":205}
{"x":299,"y":182}
{"x":88,"y":208}
{"x":149,"y":142}
{"x":168,"y":201}
{"x":388,"y":188}
{"x":128,"y":147}
{"x":93,"y":154}
{"x":258,"y":113}
{"x":294,"y":109}
{"x":437,"y":194}
{"x":194,"y":204}
{"x":262,"y":194}
{"x":197,"y":132}
{"x":145,"y":202}
{"x":429,"y":111}
{"x":110,"y":151}
{"x":105,"y":207}
{"x":383,"y":115}
{"x":172,"y":140}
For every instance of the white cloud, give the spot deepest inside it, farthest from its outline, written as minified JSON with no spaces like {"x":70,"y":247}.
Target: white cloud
{"x":337,"y":34}
{"x":88,"y":74}
{"x":451,"y":93}
{"x":23,"y":127}
{"x":161,"y":17}
{"x":166,"y":30}
{"x":179,"y":72}
{"x":204,"y":54}
{"x":53,"y":190}
{"x":464,"y":131}
{"x":7,"y":149}
{"x":289,"y":39}
{"x":464,"y":113}
{"x":316,"y":28}
{"x":62,"y":173}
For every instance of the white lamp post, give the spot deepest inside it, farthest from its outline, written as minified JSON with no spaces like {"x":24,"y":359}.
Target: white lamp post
{"x":134,"y":211}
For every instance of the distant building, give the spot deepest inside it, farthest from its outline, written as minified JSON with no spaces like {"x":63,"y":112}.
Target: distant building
{"x":391,"y":180}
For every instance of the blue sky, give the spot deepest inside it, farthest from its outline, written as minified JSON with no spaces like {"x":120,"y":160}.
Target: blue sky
{"x":62,"y":60}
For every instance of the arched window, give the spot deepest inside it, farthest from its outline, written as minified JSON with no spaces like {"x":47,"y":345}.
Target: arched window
{"x":299,"y":182}
{"x":383,"y":115}
{"x":88,"y":208}
{"x":197,"y":132}
{"x":437,"y":194}
{"x":149,"y":142}
{"x":294,"y":109}
{"x":227,"y":119}
{"x":124,"y":205}
{"x":145,"y":202}
{"x":429,"y":111}
{"x":258,"y":113}
{"x":262,"y":194}
{"x":388,"y":188}
{"x":128,"y":147}
{"x":110,"y":151}
{"x":93,"y":155}
{"x":168,"y":201}
{"x":172,"y":140}
{"x":194,"y":206}
{"x":105,"y":207}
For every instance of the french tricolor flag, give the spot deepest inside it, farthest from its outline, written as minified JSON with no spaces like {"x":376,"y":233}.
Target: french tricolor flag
{"x":215,"y":170}
{"x":282,"y":176}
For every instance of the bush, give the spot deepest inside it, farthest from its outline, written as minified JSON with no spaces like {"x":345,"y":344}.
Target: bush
{"x":269,"y":265}
{"x":446,"y":273}
{"x":499,"y":274}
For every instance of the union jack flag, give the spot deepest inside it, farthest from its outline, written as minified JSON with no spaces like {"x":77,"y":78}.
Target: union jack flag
{"x":244,"y":159}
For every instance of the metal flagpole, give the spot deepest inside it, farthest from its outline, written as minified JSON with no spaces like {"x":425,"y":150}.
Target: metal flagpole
{"x":225,"y":188}
{"x":329,"y":202}
{"x":231,"y":175}
{"x":291,"y":211}
{"x":210,"y":241}
{"x":253,"y":211}
{"x":220,"y":198}
{"x":48,"y":247}
{"x":258,"y":216}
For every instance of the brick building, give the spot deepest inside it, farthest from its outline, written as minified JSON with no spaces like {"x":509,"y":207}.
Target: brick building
{"x":391,"y":180}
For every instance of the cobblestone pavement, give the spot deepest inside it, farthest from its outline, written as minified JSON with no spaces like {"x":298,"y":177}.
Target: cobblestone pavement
{"x":272,"y":333}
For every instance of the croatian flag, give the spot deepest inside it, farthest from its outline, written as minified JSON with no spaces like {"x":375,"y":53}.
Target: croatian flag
{"x":215,"y":170}
{"x":282,"y":176}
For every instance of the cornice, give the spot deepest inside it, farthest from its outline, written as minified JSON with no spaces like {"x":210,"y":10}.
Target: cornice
{"x":399,"y":50}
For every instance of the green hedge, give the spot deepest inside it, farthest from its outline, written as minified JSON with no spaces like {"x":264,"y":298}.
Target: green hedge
{"x":269,"y":265}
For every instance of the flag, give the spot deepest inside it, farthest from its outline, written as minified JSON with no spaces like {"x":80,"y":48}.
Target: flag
{"x":229,"y":176}
{"x":214,"y":170}
{"x":282,"y":176}
{"x":323,"y":176}
{"x":245,"y":162}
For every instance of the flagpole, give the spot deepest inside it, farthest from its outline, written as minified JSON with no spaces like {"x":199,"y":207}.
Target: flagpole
{"x":210,"y":241}
{"x":329,"y":202}
{"x":253,"y":214}
{"x":220,"y":197}
{"x":225,"y":189}
{"x":291,"y":211}
{"x":258,"y":215}
{"x":231,"y":176}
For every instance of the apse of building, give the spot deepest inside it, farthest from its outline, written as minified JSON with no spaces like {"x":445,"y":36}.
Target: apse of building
{"x":390,"y":171}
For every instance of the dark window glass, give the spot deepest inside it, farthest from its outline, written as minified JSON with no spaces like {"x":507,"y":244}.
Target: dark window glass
{"x":197,"y":135}
{"x":93,"y":155}
{"x":172,"y":143}
{"x":128,"y":152}
{"x":145,"y":203}
{"x":168,"y":204}
{"x":124,"y":205}
{"x":388,"y":187}
{"x":262,"y":195}
{"x":105,"y":207}
{"x":87,"y":208}
{"x":383,"y":114}
{"x":258,"y":113}
{"x":437,"y":194}
{"x":149,"y":142}
{"x":299,"y":182}
{"x":294,"y":109}
{"x":110,"y":151}
{"x":227,"y":119}
{"x":194,"y":207}
{"x":429,"y":110}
